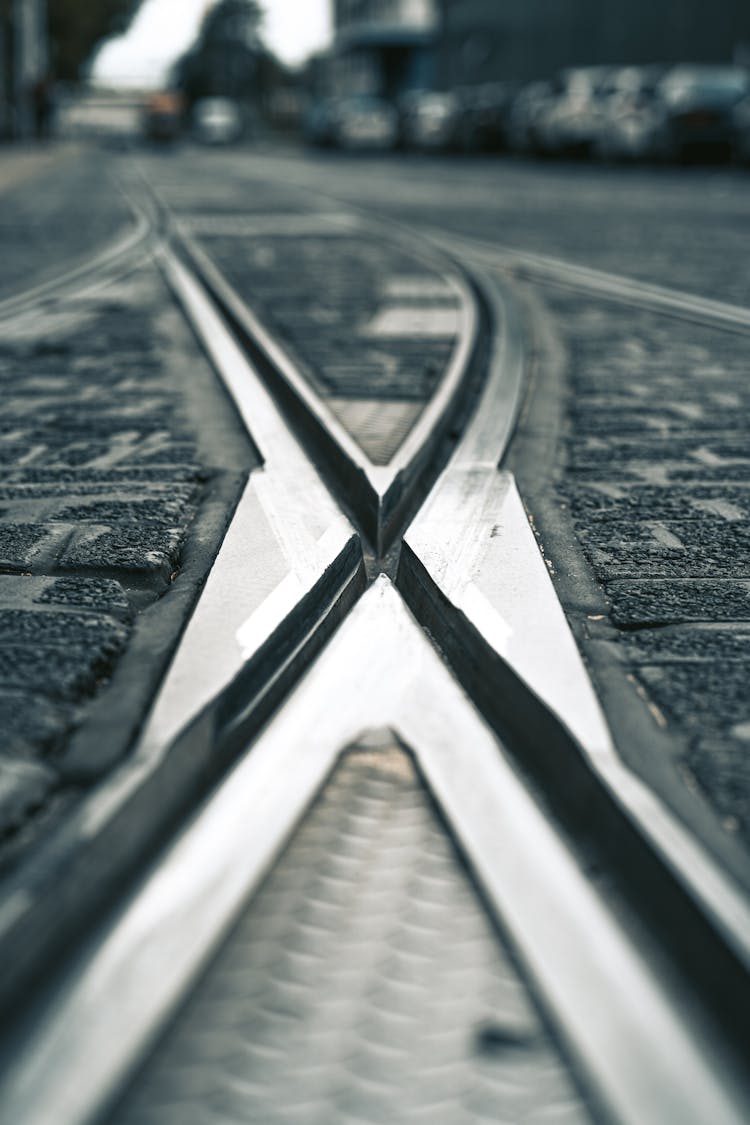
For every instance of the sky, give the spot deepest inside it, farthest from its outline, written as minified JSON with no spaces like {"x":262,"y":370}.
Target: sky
{"x":163,"y":29}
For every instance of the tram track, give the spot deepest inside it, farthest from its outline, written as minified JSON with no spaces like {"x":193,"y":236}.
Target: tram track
{"x":121,"y":254}
{"x":643,"y":1046}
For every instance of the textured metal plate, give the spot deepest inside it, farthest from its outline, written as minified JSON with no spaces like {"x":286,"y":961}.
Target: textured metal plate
{"x":379,"y":427}
{"x":365,"y":983}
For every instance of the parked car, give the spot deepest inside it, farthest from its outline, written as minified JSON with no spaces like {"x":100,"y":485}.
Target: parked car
{"x":700,"y":106}
{"x":321,"y":122}
{"x":365,"y":122}
{"x":162,"y":117}
{"x":630,"y":123}
{"x":570,"y":121}
{"x":741,"y":130}
{"x":430,"y":120}
{"x":217,"y":121}
{"x":525,"y":113}
{"x":484,"y":116}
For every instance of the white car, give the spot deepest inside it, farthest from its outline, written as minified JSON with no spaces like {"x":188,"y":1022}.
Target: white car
{"x":216,"y":121}
{"x":366,"y":123}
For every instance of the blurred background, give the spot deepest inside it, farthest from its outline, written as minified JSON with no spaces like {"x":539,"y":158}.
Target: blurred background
{"x":626,"y":80}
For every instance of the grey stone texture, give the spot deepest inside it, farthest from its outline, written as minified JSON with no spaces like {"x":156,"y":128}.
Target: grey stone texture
{"x":321,"y":296}
{"x":62,"y":211}
{"x":657,"y":480}
{"x":101,"y":480}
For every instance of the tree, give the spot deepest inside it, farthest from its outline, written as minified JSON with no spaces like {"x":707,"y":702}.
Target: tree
{"x":77,"y":27}
{"x":229,"y":57}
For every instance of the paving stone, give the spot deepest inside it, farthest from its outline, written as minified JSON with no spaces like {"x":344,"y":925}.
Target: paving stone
{"x":356,"y":314}
{"x":68,"y":673}
{"x":701,"y":696}
{"x":721,"y":767}
{"x":23,"y":788}
{"x":33,"y":725}
{"x":616,"y":561}
{"x":101,"y":473}
{"x":620,"y":502}
{"x":682,"y":643}
{"x":656,"y":480}
{"x":142,"y":549}
{"x":50,"y":627}
{"x":654,"y":601}
{"x":104,"y":594}
{"x":19,"y":544}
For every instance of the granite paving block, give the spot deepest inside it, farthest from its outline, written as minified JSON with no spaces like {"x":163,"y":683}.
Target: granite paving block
{"x":150,"y":549}
{"x":104,"y":594}
{"x":655,"y":480}
{"x":683,"y":643}
{"x":20,"y":544}
{"x":33,"y":724}
{"x":23,"y":788}
{"x":654,"y":601}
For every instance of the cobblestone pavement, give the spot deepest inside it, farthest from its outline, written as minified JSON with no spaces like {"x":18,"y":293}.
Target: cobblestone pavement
{"x":655,"y":474}
{"x":103,"y":475}
{"x":57,"y":208}
{"x":371,"y":327}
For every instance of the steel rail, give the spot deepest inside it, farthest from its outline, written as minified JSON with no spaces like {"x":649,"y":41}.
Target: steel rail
{"x":571,"y":275}
{"x":247,"y":640}
{"x":636,"y":1051}
{"x":96,"y":270}
{"x":472,"y":571}
{"x":378,"y":494}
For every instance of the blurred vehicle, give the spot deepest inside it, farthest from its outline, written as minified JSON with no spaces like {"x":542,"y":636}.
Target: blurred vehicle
{"x":430,"y":120}
{"x":162,"y":117}
{"x":485,"y":115}
{"x":364,"y":122}
{"x":217,"y":121}
{"x":321,"y":122}
{"x":630,"y":124}
{"x":741,"y":130}
{"x":569,"y":122}
{"x":700,"y":105}
{"x":525,"y":112}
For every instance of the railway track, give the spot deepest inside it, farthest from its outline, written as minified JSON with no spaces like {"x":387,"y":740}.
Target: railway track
{"x":396,"y":645}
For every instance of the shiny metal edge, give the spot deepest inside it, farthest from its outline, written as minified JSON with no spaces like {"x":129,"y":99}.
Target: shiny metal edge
{"x":634,"y":1047}
{"x":84,"y":273}
{"x":575,"y":276}
{"x":472,"y":526}
{"x":286,"y":524}
{"x":417,"y":446}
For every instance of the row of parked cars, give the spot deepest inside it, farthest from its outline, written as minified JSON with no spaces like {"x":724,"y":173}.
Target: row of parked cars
{"x":614,"y":113}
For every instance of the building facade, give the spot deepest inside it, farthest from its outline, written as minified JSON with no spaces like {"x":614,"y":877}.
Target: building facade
{"x":385,"y":47}
{"x":24,"y":65}
{"x":519,"y":40}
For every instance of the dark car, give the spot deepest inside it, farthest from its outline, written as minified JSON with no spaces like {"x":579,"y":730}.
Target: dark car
{"x":485,"y":116}
{"x":162,"y":117}
{"x":525,"y":114}
{"x":699,"y":109}
{"x":741,"y":130}
{"x":321,"y":122}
